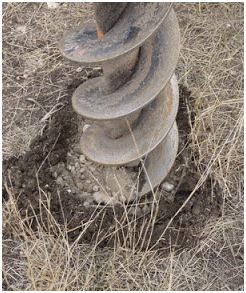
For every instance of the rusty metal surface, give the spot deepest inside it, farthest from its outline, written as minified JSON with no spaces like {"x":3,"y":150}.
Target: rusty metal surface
{"x":160,"y":161}
{"x":138,"y":23}
{"x":107,"y":14}
{"x":117,"y":73}
{"x":151,"y":128}
{"x":156,"y":64}
{"x":134,"y":104}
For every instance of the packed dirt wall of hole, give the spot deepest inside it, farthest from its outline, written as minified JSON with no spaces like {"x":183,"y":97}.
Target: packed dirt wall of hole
{"x":33,"y":177}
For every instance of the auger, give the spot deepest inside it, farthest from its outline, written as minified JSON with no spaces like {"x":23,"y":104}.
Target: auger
{"x":134,"y":104}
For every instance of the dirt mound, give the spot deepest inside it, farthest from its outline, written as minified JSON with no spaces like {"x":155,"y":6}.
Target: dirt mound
{"x":38,"y":176}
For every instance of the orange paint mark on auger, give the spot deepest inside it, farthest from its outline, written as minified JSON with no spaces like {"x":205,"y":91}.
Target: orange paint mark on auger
{"x":100,"y":34}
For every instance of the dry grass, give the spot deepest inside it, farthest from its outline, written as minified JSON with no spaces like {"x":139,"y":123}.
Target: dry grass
{"x":35,"y":76}
{"x":211,"y":66}
{"x":45,"y":260}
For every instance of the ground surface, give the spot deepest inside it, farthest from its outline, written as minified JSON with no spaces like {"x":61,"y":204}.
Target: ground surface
{"x":188,"y":239}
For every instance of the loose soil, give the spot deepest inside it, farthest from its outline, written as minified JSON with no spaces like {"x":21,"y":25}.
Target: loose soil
{"x":46,"y":173}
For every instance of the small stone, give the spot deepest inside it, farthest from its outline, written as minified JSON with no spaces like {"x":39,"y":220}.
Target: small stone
{"x":72,"y":169}
{"x":82,"y":158}
{"x":86,"y":204}
{"x":21,"y":28}
{"x":196,"y":209}
{"x":79,"y":69}
{"x":60,"y":181}
{"x":76,"y":165}
{"x":82,"y":176}
{"x":82,"y":170}
{"x":101,"y":197}
{"x":95,"y":188}
{"x":69,"y":190}
{"x":167,"y":186}
{"x":88,"y":181}
{"x":25,"y":76}
{"x":69,"y":167}
{"x":53,"y":5}
{"x":85,"y":127}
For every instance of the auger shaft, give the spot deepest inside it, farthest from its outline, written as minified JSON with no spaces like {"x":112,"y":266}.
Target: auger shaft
{"x":118,"y":71}
{"x":135,"y":102}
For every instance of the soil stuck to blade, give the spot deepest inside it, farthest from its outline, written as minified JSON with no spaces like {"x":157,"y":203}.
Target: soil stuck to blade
{"x":50,"y":173}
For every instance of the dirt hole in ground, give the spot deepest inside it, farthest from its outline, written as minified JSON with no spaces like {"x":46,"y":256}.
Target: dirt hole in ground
{"x":32,"y":179}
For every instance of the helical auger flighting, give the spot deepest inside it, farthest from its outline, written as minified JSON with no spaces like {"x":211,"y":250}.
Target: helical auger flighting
{"x":135,"y":102}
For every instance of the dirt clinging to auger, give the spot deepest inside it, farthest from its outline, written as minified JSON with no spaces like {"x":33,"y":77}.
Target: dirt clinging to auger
{"x":47,"y":171}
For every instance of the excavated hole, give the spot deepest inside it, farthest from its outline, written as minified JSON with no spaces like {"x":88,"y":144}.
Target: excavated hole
{"x":55,"y":172}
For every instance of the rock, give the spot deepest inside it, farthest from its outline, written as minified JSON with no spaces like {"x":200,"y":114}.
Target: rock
{"x":53,"y":5}
{"x":95,"y":188}
{"x":167,"y":186}
{"x":82,"y":158}
{"x":85,"y":127}
{"x":196,"y":208}
{"x":101,"y":197}
{"x":119,"y":180}
{"x":79,"y":69}
{"x":88,"y":181}
{"x":60,"y":181}
{"x":86,"y":204}
{"x":21,"y":28}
